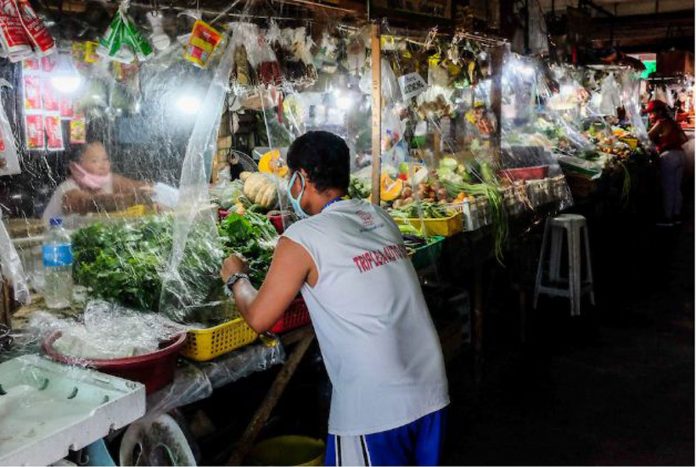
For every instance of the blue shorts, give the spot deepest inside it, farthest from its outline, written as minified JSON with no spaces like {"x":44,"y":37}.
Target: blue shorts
{"x":418,"y":443}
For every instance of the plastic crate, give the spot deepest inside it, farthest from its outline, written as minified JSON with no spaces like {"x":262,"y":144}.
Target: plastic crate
{"x":427,"y":254}
{"x":205,"y":344}
{"x":155,"y":370}
{"x":525,"y":173}
{"x":444,"y":227}
{"x":297,"y":315}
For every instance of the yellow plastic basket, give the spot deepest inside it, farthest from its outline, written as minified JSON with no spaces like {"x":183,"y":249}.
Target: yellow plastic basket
{"x":137,"y":210}
{"x":632,"y":142}
{"x":205,"y":344}
{"x":444,"y":227}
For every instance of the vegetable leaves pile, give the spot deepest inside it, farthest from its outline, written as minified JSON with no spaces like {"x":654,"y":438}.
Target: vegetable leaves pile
{"x":252,"y":236}
{"x":124,"y":262}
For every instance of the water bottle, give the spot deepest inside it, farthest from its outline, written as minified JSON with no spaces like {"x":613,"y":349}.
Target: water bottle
{"x":57,"y":261}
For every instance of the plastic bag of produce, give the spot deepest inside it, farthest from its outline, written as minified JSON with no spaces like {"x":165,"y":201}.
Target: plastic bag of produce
{"x":610,"y":96}
{"x":122,"y":41}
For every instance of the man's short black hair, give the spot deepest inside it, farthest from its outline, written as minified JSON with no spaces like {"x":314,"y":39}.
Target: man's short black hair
{"x":324,"y":156}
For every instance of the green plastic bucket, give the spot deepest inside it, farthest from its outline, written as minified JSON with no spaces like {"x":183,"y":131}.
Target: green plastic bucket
{"x":288,"y":450}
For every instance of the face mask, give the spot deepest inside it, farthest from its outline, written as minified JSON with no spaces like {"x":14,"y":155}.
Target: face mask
{"x":295,"y":202}
{"x":88,"y":180}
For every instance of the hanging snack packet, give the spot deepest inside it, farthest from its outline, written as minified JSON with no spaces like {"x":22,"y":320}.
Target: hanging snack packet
{"x":122,"y":41}
{"x":39,"y":36}
{"x":67,"y":108}
{"x":34,"y":132}
{"x":78,"y":130}
{"x":203,"y":40}
{"x":32,"y":92}
{"x":49,"y":97}
{"x":54,"y":133}
{"x":14,"y":39}
{"x":85,"y":52}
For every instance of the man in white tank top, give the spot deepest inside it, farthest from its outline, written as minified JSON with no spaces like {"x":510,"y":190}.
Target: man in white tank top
{"x":376,"y":336}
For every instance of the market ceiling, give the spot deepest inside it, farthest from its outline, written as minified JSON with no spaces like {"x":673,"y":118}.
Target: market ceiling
{"x":632,"y":25}
{"x":623,"y":7}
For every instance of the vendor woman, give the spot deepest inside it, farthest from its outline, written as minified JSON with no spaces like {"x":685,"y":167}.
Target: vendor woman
{"x":92,"y":187}
{"x":377,"y":338}
{"x":668,"y":138}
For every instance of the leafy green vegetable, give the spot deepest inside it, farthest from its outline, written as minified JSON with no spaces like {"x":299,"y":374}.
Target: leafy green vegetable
{"x":495,"y":202}
{"x":357,"y":189}
{"x":254,"y":237}
{"x":124,"y":261}
{"x":423,"y":209}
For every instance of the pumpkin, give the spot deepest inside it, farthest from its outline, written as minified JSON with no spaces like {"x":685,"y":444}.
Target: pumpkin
{"x":272,"y":163}
{"x":390,"y":189}
{"x":261,"y":189}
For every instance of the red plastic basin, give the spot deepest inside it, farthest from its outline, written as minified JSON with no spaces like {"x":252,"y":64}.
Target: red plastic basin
{"x":525,"y":173}
{"x":155,"y":370}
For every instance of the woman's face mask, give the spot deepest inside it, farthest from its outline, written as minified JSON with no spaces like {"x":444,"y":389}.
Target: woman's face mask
{"x":295,"y":202}
{"x":88,"y":180}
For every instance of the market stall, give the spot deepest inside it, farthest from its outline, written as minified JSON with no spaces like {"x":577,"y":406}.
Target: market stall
{"x":182,"y":118}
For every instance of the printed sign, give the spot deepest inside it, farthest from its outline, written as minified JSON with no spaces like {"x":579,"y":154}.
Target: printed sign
{"x":411,"y":85}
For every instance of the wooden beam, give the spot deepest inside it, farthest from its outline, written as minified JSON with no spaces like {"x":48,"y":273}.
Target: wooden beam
{"x":497,"y":55}
{"x":376,"y":62}
{"x":246,"y":442}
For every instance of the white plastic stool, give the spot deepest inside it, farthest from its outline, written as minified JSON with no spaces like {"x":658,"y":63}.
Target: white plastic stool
{"x":574,"y":287}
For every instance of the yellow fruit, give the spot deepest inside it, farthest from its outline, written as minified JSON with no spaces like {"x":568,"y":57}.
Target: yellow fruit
{"x":272,"y":163}
{"x":390,"y":189}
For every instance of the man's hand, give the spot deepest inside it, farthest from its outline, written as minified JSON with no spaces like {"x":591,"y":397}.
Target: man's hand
{"x":232,"y":265}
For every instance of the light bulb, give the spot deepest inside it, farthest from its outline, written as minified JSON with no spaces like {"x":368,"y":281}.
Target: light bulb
{"x":66,"y":84}
{"x":189,"y":105}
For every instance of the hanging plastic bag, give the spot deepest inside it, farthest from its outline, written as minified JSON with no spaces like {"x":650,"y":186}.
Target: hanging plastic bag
{"x":42,"y":41}
{"x":8,"y":149}
{"x":12,"y":268}
{"x":122,"y":41}
{"x":13,"y":37}
{"x":159,"y":38}
{"x":611,"y":98}
{"x":391,"y":92}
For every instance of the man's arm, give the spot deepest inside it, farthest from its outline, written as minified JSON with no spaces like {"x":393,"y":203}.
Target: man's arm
{"x":290,"y":268}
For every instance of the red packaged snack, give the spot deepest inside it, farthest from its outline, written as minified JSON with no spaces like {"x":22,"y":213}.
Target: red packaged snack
{"x":13,"y":36}
{"x":30,"y":65}
{"x":49,"y":97}
{"x":39,"y":36}
{"x":32,"y":92}
{"x":48,"y":64}
{"x":66,"y":108}
{"x":54,"y":133}
{"x":34,"y":131}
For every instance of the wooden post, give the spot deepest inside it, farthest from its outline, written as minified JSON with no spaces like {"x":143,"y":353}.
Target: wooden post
{"x":246,"y":442}
{"x":376,"y":63}
{"x":497,"y":55}
{"x":437,"y":142}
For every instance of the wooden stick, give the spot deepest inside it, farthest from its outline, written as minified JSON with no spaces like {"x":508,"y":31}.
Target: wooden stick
{"x":497,"y":55}
{"x":376,"y":112}
{"x":245,"y":443}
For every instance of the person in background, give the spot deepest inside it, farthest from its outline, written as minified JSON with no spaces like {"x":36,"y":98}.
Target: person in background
{"x":668,"y":138}
{"x":375,"y":333}
{"x":92,"y":187}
